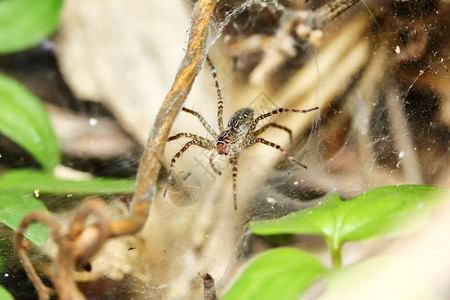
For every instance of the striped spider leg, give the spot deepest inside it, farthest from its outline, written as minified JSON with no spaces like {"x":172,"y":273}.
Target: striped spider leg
{"x":239,"y":134}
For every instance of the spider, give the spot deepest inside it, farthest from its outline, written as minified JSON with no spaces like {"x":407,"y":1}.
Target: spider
{"x":241,"y":132}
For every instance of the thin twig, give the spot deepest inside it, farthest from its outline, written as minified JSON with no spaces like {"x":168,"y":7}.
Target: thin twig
{"x":62,"y":270}
{"x":22,"y":246}
{"x":89,"y":240}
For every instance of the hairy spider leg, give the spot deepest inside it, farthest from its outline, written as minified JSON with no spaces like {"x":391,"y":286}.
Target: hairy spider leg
{"x":275,"y":112}
{"x":190,"y":136}
{"x":234,"y":162}
{"x":262,"y":129}
{"x":278,"y":147}
{"x":202,"y":120}
{"x":211,"y":162}
{"x":200,"y":143}
{"x":219,"y":96}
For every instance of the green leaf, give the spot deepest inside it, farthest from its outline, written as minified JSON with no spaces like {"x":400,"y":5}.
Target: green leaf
{"x":25,"y":23}
{"x":282,"y":273}
{"x":4,"y":294}
{"x":13,"y":208}
{"x":369,"y":215}
{"x":28,"y":180}
{"x":17,"y":198}
{"x":24,"y":120}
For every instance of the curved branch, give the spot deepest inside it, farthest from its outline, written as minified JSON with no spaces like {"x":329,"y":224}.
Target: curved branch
{"x":89,"y":240}
{"x":22,"y":245}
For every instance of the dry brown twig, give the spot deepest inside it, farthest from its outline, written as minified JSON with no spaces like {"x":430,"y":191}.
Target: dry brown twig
{"x":81,"y":236}
{"x":72,"y":253}
{"x":23,"y":245}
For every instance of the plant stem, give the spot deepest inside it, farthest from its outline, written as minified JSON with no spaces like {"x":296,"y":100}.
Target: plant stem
{"x":335,"y":252}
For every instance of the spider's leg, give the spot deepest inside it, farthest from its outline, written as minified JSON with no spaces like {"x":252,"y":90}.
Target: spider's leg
{"x":234,"y":162}
{"x":278,"y":147}
{"x":199,"y":143}
{"x":211,"y":162}
{"x":201,"y":119}
{"x":219,"y":96}
{"x":262,"y":129}
{"x":275,"y":112}
{"x":190,"y":136}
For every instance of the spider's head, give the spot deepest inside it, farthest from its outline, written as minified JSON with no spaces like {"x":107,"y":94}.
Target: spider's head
{"x":223,"y":142}
{"x":240,"y":121}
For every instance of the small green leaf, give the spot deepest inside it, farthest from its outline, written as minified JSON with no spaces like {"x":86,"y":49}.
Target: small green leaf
{"x":24,"y":120}
{"x":25,"y":23}
{"x":28,"y":180}
{"x":369,"y":215}
{"x":4,"y":294}
{"x":282,"y":273}
{"x":13,"y":208}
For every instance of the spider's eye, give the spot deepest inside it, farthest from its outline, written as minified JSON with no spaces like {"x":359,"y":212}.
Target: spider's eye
{"x":244,"y":116}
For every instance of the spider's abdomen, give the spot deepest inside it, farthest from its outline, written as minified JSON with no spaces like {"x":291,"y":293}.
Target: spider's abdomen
{"x":240,"y":121}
